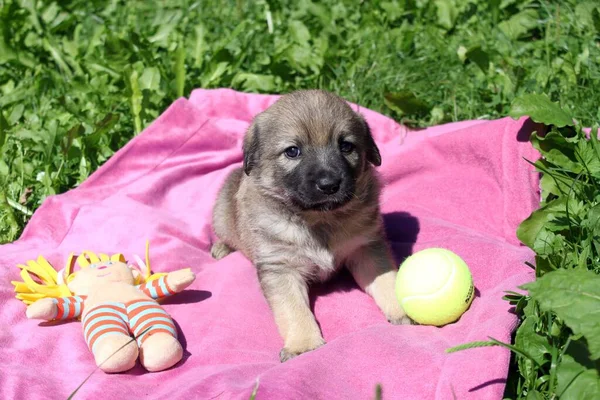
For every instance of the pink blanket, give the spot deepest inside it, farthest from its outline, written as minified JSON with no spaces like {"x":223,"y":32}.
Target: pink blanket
{"x":463,"y":186}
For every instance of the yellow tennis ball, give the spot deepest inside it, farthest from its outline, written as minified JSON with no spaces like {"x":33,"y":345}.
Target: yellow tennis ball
{"x":434,"y":286}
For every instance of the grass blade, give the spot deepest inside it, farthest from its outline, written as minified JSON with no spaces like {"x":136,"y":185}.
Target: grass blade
{"x":133,"y":339}
{"x":180,"y":69}
{"x":136,"y":101}
{"x":490,"y":343}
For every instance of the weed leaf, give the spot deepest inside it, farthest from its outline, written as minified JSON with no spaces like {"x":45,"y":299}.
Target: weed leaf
{"x":531,"y":227}
{"x":577,"y":374}
{"x":405,"y":102}
{"x":540,"y":109}
{"x":574,"y":296}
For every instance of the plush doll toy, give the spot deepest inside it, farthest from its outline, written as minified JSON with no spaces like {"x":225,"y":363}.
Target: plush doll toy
{"x":114,"y":301}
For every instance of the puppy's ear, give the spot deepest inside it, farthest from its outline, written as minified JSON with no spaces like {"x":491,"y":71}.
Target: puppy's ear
{"x":372,"y":150}
{"x":250,"y":148}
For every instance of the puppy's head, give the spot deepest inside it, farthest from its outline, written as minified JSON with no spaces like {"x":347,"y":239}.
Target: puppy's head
{"x":309,"y":149}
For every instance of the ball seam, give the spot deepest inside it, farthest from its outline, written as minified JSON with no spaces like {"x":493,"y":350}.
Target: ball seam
{"x":424,"y":296}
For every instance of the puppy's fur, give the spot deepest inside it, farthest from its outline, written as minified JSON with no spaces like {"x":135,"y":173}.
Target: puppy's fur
{"x":300,"y":216}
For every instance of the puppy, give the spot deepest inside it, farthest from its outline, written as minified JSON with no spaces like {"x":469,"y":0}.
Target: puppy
{"x":305,"y":204}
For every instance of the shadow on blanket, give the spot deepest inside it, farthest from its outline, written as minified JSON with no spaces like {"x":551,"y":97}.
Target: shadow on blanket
{"x":401,"y":229}
{"x":188,"y":296}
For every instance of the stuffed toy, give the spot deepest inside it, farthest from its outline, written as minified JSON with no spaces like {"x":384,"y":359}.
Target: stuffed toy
{"x":114,"y":301}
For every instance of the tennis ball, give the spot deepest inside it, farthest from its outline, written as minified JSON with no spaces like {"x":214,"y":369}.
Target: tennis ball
{"x":434,"y":286}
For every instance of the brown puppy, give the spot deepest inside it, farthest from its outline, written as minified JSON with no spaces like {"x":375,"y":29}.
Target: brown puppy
{"x":305,"y":203}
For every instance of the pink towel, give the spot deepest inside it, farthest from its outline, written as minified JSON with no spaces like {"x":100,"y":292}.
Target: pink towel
{"x":463,"y":186}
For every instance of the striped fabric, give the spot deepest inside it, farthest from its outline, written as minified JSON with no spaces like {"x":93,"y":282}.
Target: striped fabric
{"x":68,"y":307}
{"x":105,"y":320}
{"x":157,"y":288}
{"x":147,"y":318}
{"x":141,"y":317}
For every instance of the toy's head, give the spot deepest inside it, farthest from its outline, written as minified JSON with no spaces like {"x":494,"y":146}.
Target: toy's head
{"x":102,"y":272}
{"x":41,"y":280}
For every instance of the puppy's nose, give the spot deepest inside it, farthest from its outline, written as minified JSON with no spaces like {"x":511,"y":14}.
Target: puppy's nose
{"x":328,"y":184}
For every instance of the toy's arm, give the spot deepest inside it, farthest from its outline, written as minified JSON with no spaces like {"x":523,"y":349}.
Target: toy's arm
{"x":60,"y":308}
{"x":169,"y":284}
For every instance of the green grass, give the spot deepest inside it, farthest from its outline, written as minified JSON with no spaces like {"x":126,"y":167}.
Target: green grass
{"x":557,"y":345}
{"x":78,"y":79}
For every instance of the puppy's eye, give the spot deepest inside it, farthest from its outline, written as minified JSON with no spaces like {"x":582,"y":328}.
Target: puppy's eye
{"x":346,"y":147}
{"x":292,"y":152}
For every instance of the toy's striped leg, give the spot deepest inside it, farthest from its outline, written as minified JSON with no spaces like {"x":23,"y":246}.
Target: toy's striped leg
{"x":107,"y":334}
{"x":156,"y":335}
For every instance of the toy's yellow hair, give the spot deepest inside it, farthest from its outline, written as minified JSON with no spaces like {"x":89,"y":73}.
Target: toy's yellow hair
{"x":54,"y":285}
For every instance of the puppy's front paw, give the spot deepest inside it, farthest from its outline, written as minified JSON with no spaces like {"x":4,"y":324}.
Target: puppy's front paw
{"x":401,"y":320}
{"x":286,"y":354}
{"x":289,"y":352}
{"x":220,"y":250}
{"x":395,"y":314}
